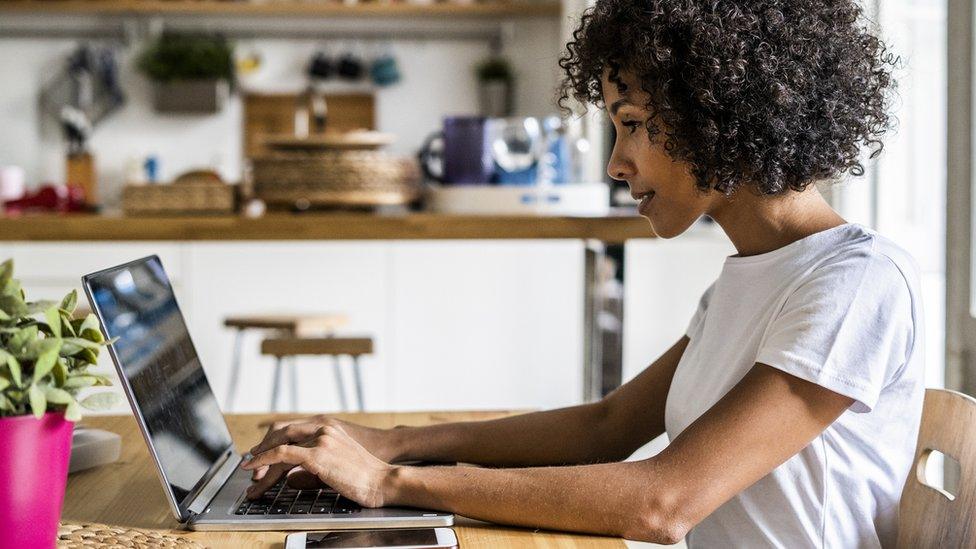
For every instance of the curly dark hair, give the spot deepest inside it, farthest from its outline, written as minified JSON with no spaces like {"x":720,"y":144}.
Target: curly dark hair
{"x":776,"y":94}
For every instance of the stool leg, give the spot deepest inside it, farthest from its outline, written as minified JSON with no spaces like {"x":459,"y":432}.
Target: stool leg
{"x":276,"y":388}
{"x":293,"y":366}
{"x":340,"y":385}
{"x":359,"y":382}
{"x":235,"y":370}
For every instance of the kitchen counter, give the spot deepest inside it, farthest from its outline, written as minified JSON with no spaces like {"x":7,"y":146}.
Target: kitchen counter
{"x":613,"y":229}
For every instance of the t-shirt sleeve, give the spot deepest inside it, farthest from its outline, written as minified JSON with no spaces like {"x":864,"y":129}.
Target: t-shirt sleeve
{"x":694,"y":327}
{"x":849,"y":327}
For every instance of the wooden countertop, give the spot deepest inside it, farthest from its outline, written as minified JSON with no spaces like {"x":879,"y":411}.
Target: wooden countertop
{"x":323,"y":226}
{"x":128,"y":493}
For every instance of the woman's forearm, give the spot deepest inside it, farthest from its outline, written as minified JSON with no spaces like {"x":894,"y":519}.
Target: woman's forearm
{"x":608,"y":430}
{"x":612,"y":498}
{"x":557,"y":437}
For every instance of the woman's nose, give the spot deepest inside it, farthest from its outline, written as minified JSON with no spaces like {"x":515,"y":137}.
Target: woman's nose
{"x":618,"y":168}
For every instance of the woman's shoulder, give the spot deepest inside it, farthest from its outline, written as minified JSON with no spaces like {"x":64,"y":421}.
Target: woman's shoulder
{"x":863,"y":255}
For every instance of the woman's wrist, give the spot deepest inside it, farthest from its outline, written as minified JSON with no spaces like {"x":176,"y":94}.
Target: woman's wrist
{"x":397,"y":443}
{"x":394,"y":485}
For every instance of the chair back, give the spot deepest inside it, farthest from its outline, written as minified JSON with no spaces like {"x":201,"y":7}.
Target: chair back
{"x":929,"y":516}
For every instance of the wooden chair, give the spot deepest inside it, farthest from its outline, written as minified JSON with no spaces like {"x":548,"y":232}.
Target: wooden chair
{"x":290,"y":325}
{"x":291,"y":347}
{"x":929,"y":516}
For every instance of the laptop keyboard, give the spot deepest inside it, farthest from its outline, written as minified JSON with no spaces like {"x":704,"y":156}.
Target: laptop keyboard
{"x":282,"y":500}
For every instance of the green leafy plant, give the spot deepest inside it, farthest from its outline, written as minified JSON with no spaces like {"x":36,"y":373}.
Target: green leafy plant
{"x":45,"y":354}
{"x":187,"y":56}
{"x":495,"y":69}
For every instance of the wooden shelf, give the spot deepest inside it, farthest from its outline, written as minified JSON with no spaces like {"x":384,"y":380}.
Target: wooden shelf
{"x":322,"y":226}
{"x":280,"y":7}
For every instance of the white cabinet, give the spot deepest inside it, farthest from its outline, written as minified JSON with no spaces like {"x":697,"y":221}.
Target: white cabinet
{"x":66,"y":262}
{"x":456,"y":324}
{"x":487,"y":324}
{"x":266,"y":277}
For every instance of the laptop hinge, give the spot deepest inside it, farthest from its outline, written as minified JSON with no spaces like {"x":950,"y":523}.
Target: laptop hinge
{"x":210,"y":489}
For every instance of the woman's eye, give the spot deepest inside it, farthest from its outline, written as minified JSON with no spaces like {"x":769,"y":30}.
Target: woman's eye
{"x":632,"y":126}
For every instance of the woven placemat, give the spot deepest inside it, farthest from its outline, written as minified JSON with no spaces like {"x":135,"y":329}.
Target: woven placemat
{"x":72,"y":535}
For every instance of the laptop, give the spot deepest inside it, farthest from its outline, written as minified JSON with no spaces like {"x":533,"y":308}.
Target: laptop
{"x":184,"y":428}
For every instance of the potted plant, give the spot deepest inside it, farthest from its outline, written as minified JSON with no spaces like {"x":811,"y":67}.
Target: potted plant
{"x":495,"y":86}
{"x":192,"y":72}
{"x":45,"y":355}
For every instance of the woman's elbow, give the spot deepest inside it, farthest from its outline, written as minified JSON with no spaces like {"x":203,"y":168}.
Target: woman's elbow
{"x":667,"y":533}
{"x":657,"y":522}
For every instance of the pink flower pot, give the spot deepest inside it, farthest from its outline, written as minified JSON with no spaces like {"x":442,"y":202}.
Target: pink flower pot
{"x":34,"y":455}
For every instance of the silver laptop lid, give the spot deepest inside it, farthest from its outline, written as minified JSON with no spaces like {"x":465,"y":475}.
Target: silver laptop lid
{"x":162,"y":376}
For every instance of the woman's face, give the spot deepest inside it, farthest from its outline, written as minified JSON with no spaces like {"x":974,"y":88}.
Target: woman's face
{"x":666,"y":189}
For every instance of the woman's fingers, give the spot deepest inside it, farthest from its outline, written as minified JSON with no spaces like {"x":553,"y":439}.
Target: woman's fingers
{"x":275,"y":425}
{"x":286,"y":453}
{"x":258,"y":474}
{"x":273,"y":473}
{"x":307,"y":442}
{"x":301,"y":479}
{"x":295,"y":432}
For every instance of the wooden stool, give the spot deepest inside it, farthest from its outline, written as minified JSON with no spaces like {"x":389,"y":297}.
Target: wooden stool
{"x":290,"y":347}
{"x":290,"y":325}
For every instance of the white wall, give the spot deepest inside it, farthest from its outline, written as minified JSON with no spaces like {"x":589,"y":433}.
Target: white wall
{"x":438,"y":80}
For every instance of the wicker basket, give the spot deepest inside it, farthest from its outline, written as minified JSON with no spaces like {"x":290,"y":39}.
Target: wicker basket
{"x":85,"y":535}
{"x":188,"y":197}
{"x":343,"y":178}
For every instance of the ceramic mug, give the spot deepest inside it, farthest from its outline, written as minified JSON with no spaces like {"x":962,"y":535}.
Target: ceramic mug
{"x":463,"y":149}
{"x":385,"y":71}
{"x":350,"y":67}
{"x":321,"y":66}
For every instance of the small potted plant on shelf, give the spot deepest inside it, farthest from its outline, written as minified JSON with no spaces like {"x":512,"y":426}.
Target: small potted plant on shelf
{"x":192,"y":73}
{"x":45,"y":355}
{"x":496,"y":81}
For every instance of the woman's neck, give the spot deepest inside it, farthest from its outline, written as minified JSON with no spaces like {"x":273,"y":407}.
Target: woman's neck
{"x":760,"y":224}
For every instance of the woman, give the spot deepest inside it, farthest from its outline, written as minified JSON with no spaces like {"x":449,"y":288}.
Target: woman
{"x":793,"y":401}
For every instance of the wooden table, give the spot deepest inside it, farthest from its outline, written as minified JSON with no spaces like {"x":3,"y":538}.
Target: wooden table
{"x":128,"y":493}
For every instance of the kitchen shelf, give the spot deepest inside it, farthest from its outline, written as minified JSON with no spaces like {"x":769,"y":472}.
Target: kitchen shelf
{"x":281,"y":8}
{"x":615,"y":228}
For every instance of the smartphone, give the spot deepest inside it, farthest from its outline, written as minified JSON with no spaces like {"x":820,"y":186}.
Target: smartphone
{"x":413,"y":538}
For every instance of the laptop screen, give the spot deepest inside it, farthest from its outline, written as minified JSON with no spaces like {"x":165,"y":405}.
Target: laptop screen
{"x":135,"y":303}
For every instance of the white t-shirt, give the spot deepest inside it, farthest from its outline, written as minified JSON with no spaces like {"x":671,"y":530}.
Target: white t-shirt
{"x":840,"y":308}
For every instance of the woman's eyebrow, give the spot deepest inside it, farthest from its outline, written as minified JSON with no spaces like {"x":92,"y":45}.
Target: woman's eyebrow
{"x":615,"y":106}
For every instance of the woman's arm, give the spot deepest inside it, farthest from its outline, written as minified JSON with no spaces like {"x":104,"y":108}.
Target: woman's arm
{"x":764,"y":420}
{"x":609,"y":430}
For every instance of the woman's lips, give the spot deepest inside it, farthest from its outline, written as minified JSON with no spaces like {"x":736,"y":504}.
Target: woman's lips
{"x":645,"y":202}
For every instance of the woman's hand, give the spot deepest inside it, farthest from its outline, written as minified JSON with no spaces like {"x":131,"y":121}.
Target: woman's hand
{"x":378,"y":442}
{"x":329,"y":453}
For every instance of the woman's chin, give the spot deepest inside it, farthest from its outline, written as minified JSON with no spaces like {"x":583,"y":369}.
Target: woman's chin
{"x":664,"y":229}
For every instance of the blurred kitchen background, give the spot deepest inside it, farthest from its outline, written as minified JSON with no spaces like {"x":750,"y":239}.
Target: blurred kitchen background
{"x":399,"y":169}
